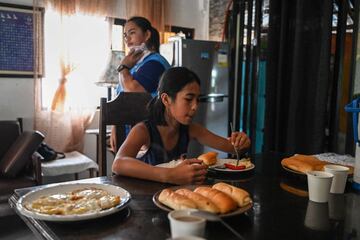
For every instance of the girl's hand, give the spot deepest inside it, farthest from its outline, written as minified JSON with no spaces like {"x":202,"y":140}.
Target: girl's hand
{"x":190,"y":171}
{"x":133,"y":56}
{"x":239,"y":140}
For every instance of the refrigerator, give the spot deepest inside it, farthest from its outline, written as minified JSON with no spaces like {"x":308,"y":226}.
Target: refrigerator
{"x":209,"y":60}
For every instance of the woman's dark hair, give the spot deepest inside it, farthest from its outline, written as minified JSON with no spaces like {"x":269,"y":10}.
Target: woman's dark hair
{"x":171,"y":82}
{"x":154,"y":41}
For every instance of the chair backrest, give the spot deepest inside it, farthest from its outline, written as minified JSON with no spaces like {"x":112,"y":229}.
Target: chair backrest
{"x":9,"y":132}
{"x":127,"y":108}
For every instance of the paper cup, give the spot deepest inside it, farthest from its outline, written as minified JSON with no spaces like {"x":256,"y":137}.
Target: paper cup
{"x":319,"y":184}
{"x":182,"y":224}
{"x":317,"y":217}
{"x":340,"y":176}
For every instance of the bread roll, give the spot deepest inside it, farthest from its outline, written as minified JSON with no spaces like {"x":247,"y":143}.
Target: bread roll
{"x":237,"y":194}
{"x":209,"y":158}
{"x":220,"y":199}
{"x":303,"y":163}
{"x":175,"y":200}
{"x":201,"y":202}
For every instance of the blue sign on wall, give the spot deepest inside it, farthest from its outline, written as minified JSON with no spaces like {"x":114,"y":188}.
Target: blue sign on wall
{"x":16,"y":41}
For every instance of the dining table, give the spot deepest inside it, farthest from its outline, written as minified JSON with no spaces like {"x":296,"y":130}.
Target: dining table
{"x":280,"y":209}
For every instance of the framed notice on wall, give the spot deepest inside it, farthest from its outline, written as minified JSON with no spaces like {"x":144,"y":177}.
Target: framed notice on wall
{"x":17,"y":40}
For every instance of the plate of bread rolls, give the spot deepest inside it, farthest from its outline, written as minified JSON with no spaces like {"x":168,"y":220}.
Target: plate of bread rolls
{"x":226,"y":165}
{"x":221,"y":198}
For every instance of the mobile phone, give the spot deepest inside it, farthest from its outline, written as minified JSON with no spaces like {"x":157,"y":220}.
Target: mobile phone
{"x":142,"y":47}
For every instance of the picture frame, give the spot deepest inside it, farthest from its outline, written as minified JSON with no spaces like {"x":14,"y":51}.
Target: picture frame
{"x":17,"y":41}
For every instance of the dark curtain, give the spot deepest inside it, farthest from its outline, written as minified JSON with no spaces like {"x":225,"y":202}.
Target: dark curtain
{"x":298,"y":76}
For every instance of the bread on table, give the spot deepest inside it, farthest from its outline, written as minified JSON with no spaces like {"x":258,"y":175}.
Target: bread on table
{"x":224,"y":202}
{"x":209,"y":158}
{"x":175,"y":201}
{"x":239,"y":195}
{"x":202,"y":203}
{"x":303,"y":163}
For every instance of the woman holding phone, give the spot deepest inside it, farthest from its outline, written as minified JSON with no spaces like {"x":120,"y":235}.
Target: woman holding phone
{"x":141,"y":68}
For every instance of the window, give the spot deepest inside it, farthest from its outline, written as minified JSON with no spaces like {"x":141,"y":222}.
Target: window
{"x":82,"y":42}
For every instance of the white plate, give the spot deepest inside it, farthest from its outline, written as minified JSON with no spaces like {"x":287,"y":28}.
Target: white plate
{"x":156,"y":201}
{"x":63,"y":188}
{"x":170,"y":164}
{"x":231,"y":161}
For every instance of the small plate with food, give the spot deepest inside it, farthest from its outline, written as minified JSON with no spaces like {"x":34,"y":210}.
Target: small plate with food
{"x":229,"y":165}
{"x":73,"y":202}
{"x":226,"y":165}
{"x":221,"y":198}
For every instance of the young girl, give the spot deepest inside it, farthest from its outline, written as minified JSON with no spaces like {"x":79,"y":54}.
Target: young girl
{"x":166,"y":134}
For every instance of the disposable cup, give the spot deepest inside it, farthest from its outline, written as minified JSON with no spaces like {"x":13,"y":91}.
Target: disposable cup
{"x":183,"y":224}
{"x":340,"y":176}
{"x":319,"y":184}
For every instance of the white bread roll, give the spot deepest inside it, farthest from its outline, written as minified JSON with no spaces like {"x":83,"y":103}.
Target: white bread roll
{"x":209,"y":158}
{"x":239,"y":195}
{"x":220,"y":199}
{"x":175,"y":201}
{"x":201,"y":202}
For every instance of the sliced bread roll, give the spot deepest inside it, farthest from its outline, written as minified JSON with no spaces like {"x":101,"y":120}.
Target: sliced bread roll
{"x":209,"y":158}
{"x":201,"y":202}
{"x":224,"y":202}
{"x":239,"y":195}
{"x":175,"y":201}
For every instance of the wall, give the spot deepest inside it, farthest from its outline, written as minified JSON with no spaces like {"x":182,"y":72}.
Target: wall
{"x":191,"y":14}
{"x":17,"y":94}
{"x":217,"y":18}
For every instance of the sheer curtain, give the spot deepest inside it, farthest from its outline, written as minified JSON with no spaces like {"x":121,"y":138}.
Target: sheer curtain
{"x":76,"y":49}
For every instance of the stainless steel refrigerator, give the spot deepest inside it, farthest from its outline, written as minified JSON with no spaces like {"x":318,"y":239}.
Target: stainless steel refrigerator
{"x":209,"y":60}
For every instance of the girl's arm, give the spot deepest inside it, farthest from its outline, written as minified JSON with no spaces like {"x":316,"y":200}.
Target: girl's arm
{"x":126,"y":164}
{"x":238,"y":139}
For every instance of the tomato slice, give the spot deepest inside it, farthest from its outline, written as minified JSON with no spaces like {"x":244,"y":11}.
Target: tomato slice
{"x":234,"y":167}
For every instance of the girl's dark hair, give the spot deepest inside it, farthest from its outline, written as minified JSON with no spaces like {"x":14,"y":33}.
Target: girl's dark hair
{"x":171,"y":82}
{"x":154,"y":41}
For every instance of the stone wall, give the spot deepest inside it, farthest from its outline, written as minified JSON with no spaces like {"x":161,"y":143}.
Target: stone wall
{"x":217,"y":18}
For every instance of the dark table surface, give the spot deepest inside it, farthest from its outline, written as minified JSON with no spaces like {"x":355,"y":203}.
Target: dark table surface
{"x":281,"y":210}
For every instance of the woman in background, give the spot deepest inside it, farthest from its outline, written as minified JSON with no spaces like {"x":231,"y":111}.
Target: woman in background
{"x":141,"y":68}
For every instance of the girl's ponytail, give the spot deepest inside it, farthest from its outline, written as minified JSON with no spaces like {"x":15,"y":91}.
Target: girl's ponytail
{"x":156,"y":111}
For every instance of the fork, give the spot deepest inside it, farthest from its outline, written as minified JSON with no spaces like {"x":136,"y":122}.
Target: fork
{"x":236,"y":150}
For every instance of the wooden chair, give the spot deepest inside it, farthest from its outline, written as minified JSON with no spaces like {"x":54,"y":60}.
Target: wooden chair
{"x":126,"y":109}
